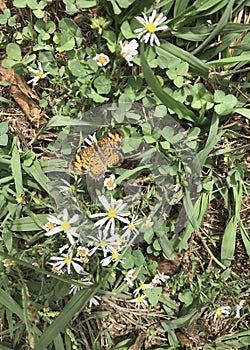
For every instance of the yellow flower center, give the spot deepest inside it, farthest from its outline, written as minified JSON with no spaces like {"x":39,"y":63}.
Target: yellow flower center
{"x":110,"y":183}
{"x":140,"y":299}
{"x":119,"y":239}
{"x":143,"y":286}
{"x":103,"y":244}
{"x":55,"y":269}
{"x":50,"y":225}
{"x":85,"y":260}
{"x":7,"y":261}
{"x":150,"y":27}
{"x":19,"y":199}
{"x":68,"y":260}
{"x":72,"y":188}
{"x":115,"y":255}
{"x":218,"y":312}
{"x":39,"y":74}
{"x":131,"y":226}
{"x":111,"y":213}
{"x":102,"y":60}
{"x":65,"y":226}
{"x":82,"y":252}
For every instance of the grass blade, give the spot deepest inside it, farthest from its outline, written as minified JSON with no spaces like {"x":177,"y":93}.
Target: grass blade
{"x":227,"y":14}
{"x":228,"y":242}
{"x":36,"y":172}
{"x":16,"y":168}
{"x":8,"y":302}
{"x":181,"y":110}
{"x":75,"y":305}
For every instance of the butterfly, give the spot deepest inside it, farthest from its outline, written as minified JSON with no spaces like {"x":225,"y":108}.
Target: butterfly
{"x":100,"y":155}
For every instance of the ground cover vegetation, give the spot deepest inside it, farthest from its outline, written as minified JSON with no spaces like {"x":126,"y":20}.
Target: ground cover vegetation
{"x":124,"y":174}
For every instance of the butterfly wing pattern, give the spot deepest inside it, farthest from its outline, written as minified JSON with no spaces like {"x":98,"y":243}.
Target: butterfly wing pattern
{"x":105,"y":153}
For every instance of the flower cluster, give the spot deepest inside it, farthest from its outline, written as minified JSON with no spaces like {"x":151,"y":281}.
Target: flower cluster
{"x":140,"y":299}
{"x":111,"y":233}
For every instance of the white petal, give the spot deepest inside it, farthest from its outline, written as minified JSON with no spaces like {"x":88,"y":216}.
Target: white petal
{"x":104,"y":202}
{"x":65,"y":214}
{"x":140,"y":30}
{"x":74,"y":219}
{"x":101,"y":222}
{"x":152,"y":17}
{"x":147,"y":37}
{"x":53,"y":231}
{"x":141,"y":20}
{"x":54,"y":220}
{"x":161,"y":28}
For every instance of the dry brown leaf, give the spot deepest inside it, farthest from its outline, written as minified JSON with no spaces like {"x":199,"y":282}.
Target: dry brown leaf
{"x":23,"y":95}
{"x":139,"y":340}
{"x":3,"y":5}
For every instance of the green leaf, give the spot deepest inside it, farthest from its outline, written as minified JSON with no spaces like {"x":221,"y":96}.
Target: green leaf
{"x":85,"y":4}
{"x":36,"y":172}
{"x":230,"y":60}
{"x":14,"y":52}
{"x":186,"y":297}
{"x":102,"y":85}
{"x":16,"y":168}
{"x":29,"y":223}
{"x":243,"y":111}
{"x":19,"y":3}
{"x":3,"y":140}
{"x":226,"y":103}
{"x":166,"y":247}
{"x":228,"y":242}
{"x":153,"y":295}
{"x":126,"y":30}
{"x":7,"y":238}
{"x":11,"y":304}
{"x":39,"y":13}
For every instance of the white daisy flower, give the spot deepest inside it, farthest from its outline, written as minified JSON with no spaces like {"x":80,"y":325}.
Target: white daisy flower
{"x":151,"y":25}
{"x":66,"y":260}
{"x":114,"y":211}
{"x":8,"y":262}
{"x":140,"y":301}
{"x":130,"y":228}
{"x":109,"y":182}
{"x":62,"y":224}
{"x":222,"y":310}
{"x":103,"y":242}
{"x":159,"y":278}
{"x":70,"y":188}
{"x":128,"y":50}
{"x":143,"y":286}
{"x":74,"y":288}
{"x":101,"y":59}
{"x":37,"y":74}
{"x":112,"y":258}
{"x":129,"y":278}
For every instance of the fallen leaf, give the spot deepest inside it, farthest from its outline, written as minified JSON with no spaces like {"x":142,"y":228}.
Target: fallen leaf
{"x":23,"y":95}
{"x":3,"y":5}
{"x":139,"y":340}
